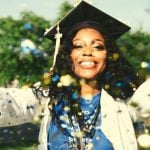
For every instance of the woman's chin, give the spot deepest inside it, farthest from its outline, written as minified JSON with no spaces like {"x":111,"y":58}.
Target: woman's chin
{"x":87,"y":76}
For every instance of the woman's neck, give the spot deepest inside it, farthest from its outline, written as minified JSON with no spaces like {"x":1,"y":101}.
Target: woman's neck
{"x":89,"y":89}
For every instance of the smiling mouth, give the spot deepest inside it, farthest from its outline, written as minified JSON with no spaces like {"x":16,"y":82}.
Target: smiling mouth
{"x":87,"y":64}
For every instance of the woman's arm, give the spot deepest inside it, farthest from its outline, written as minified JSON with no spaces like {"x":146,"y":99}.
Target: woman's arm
{"x":17,"y":106}
{"x":139,"y":104}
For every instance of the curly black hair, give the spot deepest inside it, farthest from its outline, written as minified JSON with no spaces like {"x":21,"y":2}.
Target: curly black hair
{"x":119,"y":78}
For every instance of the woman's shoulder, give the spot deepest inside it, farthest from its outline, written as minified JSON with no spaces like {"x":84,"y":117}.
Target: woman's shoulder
{"x":143,"y":91}
{"x":140,"y":101}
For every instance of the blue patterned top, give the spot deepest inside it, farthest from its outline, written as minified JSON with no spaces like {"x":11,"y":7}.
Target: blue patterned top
{"x":60,"y":138}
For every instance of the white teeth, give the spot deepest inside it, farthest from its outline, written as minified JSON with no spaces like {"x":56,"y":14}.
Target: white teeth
{"x":87,"y":63}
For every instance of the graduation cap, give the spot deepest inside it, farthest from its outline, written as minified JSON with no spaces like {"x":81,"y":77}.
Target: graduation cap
{"x":86,"y":12}
{"x":81,"y":13}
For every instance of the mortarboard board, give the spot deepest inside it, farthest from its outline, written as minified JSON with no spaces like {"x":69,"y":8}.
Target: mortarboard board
{"x":86,"y":12}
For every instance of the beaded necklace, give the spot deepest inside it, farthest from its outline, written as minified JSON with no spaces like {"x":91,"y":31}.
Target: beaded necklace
{"x":84,"y":138}
{"x":80,"y":132}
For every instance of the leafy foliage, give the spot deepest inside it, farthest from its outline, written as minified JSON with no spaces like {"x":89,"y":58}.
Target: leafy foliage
{"x":28,"y":67}
{"x":14,"y":62}
{"x":136,"y":48}
{"x":63,"y":9}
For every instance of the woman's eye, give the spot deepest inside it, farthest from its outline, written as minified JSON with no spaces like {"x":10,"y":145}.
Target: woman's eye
{"x":100,"y":47}
{"x":77,"y":46}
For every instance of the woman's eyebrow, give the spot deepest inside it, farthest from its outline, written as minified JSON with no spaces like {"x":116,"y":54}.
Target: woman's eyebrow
{"x":78,"y":39}
{"x":98,"y":40}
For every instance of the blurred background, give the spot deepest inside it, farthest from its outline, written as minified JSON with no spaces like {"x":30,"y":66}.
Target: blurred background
{"x":25,"y":55}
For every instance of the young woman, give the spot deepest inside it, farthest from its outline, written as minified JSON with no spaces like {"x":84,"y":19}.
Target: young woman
{"x":82,"y":118}
{"x":77,"y":111}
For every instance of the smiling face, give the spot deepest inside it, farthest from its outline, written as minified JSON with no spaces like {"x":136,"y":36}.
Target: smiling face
{"x":88,"y":54}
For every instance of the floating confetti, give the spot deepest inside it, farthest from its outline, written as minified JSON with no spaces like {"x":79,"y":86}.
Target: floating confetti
{"x":27,"y":26}
{"x":55,"y":78}
{"x":90,"y":146}
{"x":115,"y":56}
{"x":27,"y":45}
{"x":59,"y":85}
{"x":144,"y":64}
{"x":107,"y":86}
{"x":79,"y":134}
{"x":144,"y":140}
{"x":67,"y":80}
{"x":66,"y":108}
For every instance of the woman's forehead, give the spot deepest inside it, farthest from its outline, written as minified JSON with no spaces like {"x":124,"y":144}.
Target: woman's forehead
{"x":88,"y":33}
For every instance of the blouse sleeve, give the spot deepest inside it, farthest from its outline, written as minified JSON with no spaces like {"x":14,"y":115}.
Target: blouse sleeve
{"x":139,"y":104}
{"x":17,"y":106}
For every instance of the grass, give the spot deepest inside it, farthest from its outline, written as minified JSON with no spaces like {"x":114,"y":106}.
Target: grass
{"x":21,"y":137}
{"x":19,"y":146}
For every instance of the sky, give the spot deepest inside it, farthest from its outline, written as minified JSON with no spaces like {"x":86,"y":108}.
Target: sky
{"x":136,"y":13}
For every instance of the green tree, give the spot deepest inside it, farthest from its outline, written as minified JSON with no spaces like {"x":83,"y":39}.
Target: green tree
{"x":64,"y":8}
{"x":135,"y":47}
{"x":26,"y":67}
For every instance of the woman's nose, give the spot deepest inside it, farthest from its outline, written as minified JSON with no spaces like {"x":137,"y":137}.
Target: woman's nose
{"x":87,"y":51}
